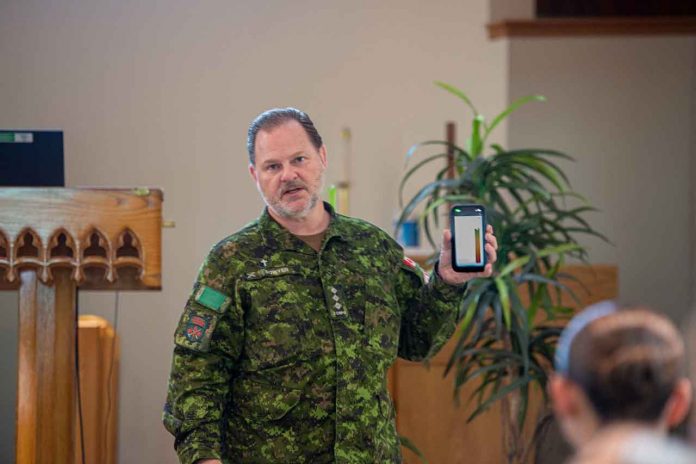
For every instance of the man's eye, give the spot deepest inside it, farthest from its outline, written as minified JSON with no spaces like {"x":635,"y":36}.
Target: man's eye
{"x":300,"y":159}
{"x":272,"y":167}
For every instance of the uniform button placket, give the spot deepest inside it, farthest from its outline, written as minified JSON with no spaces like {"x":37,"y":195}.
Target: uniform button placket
{"x":334,"y":305}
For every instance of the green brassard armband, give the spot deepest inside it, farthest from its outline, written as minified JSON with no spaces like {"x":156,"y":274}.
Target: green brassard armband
{"x":212,"y":299}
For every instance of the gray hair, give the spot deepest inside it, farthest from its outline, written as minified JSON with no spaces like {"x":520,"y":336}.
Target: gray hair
{"x":275,"y":117}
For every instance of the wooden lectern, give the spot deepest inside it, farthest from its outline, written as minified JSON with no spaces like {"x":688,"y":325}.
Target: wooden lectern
{"x":53,"y":240}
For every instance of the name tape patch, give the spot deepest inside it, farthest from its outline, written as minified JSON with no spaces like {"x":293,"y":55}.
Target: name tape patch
{"x":275,"y":272}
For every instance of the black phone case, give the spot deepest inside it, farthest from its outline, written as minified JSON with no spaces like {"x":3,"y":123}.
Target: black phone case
{"x":454,"y":245}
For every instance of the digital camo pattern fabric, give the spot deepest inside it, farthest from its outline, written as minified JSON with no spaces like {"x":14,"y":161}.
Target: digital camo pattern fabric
{"x":281,"y":353}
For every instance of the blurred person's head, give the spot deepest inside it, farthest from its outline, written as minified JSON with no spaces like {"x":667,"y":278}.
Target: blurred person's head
{"x":619,"y":366}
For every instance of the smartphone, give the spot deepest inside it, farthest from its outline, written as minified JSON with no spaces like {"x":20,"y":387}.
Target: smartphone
{"x":468,"y":227}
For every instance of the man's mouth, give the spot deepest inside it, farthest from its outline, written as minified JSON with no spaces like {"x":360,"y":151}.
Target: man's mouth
{"x":293,"y":191}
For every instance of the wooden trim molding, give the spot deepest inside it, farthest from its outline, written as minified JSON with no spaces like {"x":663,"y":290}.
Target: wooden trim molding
{"x":100,"y":235}
{"x":569,"y":27}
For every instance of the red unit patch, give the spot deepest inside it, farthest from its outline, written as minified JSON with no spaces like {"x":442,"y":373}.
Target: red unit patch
{"x":196,"y":327}
{"x":194,"y":333}
{"x":199,"y":321}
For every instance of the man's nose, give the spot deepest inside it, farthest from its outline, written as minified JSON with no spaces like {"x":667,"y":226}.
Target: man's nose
{"x":289,"y":173}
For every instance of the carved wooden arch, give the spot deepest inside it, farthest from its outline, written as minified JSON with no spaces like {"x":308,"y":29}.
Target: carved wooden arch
{"x":29,"y":247}
{"x":5,"y":252}
{"x":62,"y":247}
{"x":128,"y":245}
{"x":63,"y":251}
{"x":95,"y":253}
{"x":4,"y":247}
{"x":28,"y":252}
{"x":95,"y":244}
{"x":128,"y":252}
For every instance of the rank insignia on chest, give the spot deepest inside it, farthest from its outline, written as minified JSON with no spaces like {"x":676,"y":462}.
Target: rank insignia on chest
{"x":335,"y":302}
{"x":197,"y":326}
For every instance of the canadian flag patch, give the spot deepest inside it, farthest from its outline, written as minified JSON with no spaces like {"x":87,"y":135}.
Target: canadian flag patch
{"x":410,"y":263}
{"x":413,"y":265}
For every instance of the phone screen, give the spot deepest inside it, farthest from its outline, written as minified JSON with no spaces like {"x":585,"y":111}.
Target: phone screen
{"x":469,"y":239}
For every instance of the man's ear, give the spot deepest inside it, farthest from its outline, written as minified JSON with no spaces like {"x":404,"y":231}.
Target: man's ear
{"x":678,"y":405}
{"x":563,"y":396}
{"x":252,"y":171}
{"x":572,"y":408}
{"x":567,"y":398}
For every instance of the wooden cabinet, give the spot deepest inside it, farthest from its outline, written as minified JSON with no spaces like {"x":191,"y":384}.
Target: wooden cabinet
{"x":427,"y":414}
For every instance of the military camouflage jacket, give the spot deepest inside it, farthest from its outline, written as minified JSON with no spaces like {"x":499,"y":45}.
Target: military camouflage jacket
{"x":281,"y":353}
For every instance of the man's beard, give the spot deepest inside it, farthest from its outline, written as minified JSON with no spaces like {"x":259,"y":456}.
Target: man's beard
{"x":287,"y":213}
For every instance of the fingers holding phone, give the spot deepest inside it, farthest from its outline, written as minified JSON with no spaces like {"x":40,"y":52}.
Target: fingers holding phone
{"x":469,"y":248}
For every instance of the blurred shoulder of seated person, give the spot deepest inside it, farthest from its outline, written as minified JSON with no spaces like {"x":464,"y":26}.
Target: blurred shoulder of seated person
{"x":620,"y":385}
{"x":690,"y":339}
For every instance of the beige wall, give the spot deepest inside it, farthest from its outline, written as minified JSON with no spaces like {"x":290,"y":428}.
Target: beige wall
{"x":160,"y":93}
{"x":501,"y":10}
{"x":692,"y":159}
{"x":624,"y":108}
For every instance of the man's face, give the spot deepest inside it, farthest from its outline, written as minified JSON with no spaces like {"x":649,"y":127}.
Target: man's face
{"x":289,"y":171}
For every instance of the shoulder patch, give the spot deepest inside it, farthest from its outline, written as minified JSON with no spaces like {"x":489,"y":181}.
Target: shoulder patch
{"x":196,"y":329}
{"x":197,"y":326}
{"x":410,"y":263}
{"x":212,"y":299}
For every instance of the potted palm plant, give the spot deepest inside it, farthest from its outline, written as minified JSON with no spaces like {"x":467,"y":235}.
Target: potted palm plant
{"x":509,"y":321}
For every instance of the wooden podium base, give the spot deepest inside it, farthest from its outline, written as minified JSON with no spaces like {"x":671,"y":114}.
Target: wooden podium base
{"x":46,"y":381}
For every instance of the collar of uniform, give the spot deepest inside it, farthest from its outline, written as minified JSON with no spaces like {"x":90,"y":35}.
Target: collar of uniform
{"x":277,"y":236}
{"x":338,"y":226}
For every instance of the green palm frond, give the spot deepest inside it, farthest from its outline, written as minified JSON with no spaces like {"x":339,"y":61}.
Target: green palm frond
{"x":502,"y":344}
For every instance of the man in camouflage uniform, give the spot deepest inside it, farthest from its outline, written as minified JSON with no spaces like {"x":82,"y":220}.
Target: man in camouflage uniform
{"x":282,"y":350}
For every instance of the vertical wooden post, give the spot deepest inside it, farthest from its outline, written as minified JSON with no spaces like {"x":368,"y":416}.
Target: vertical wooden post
{"x":451,"y":134}
{"x":46,"y":381}
{"x":27,"y":406}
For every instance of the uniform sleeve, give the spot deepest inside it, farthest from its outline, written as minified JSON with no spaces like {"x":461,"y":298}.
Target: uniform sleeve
{"x":429,"y":309}
{"x":208,"y":341}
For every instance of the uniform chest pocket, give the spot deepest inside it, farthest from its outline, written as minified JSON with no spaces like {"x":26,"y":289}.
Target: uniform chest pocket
{"x":382,"y":317}
{"x":372,"y":287}
{"x":281,"y":305}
